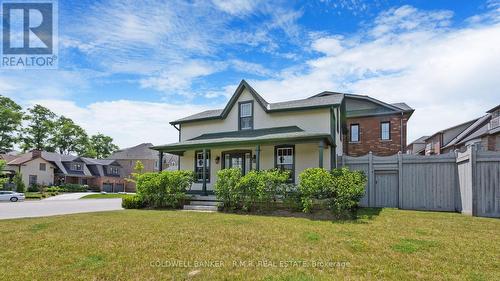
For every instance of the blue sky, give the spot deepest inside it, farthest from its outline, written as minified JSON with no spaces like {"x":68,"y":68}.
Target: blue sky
{"x":127,"y":68}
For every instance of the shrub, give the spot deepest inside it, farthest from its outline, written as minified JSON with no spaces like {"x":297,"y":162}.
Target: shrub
{"x":314,"y":182}
{"x":53,"y":189}
{"x":254,"y":190}
{"x":347,"y":189}
{"x":225,"y":187}
{"x":33,"y":188}
{"x":164,"y":190}
{"x":18,"y":182}
{"x":132,"y":202}
{"x":72,"y":187}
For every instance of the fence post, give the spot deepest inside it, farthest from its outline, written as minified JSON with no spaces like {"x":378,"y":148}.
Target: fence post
{"x":472,"y":159}
{"x":400,"y":180}
{"x":371,"y":178}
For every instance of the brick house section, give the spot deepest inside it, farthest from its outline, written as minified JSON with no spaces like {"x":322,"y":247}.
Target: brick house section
{"x":370,"y":135}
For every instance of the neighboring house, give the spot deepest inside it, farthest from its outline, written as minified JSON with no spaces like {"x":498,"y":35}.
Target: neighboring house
{"x":250,"y":133}
{"x":484,"y":131}
{"x":417,"y":146}
{"x":48,"y":168}
{"x":128,"y":157}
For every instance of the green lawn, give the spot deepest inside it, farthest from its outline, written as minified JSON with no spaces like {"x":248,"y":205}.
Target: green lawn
{"x":177,"y":245}
{"x":105,"y":196}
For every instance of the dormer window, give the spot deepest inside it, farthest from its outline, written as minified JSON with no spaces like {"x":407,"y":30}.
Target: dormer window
{"x":77,"y":166}
{"x":246,"y":115}
{"x":114,"y":170}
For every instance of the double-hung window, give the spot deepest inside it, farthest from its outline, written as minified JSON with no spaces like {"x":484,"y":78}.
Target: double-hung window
{"x":385,"y":130}
{"x":285,"y":160}
{"x":246,"y":115}
{"x":199,"y":166}
{"x":354,"y":132}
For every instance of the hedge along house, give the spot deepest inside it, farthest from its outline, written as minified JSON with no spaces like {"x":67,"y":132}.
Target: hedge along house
{"x":250,"y":133}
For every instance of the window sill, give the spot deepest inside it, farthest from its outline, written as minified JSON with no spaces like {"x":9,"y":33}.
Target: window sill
{"x":381,"y":140}
{"x":354,"y":142}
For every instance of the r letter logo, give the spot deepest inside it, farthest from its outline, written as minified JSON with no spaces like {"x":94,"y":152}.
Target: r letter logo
{"x":29,"y":34}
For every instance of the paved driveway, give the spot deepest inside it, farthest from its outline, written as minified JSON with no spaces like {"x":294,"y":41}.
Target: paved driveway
{"x":68,"y":196}
{"x":42,"y":208}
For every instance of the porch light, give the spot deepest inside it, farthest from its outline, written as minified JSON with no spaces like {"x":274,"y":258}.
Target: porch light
{"x":254,"y":158}
{"x":217,"y":160}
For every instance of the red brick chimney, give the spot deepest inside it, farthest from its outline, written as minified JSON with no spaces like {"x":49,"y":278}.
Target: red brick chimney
{"x":36,"y":153}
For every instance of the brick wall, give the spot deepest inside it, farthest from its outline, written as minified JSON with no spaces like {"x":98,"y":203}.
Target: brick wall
{"x":369,"y":137}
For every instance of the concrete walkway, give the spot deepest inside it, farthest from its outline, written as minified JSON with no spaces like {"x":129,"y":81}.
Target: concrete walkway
{"x":43,"y":208}
{"x":68,"y":196}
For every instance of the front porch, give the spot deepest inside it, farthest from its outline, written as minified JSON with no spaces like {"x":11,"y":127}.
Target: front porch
{"x":292,"y":152}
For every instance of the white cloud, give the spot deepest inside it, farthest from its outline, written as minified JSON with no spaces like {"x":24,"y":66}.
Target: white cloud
{"x":407,"y":55}
{"x":127,"y":122}
{"x":237,"y":7}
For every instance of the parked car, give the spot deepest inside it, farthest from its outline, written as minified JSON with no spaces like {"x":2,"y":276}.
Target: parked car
{"x":11,"y":196}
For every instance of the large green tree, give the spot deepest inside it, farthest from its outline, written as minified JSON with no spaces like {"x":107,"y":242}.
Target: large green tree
{"x":69,"y":137}
{"x":100,"y":146}
{"x":11,"y":117}
{"x":39,"y":129}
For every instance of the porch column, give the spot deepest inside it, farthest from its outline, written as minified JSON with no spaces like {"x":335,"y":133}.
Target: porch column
{"x":321,"y":148}
{"x":257,"y":157}
{"x":160,"y":164}
{"x":204,"y":187}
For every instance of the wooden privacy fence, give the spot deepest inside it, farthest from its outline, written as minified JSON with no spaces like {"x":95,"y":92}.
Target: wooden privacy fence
{"x":467,"y":182}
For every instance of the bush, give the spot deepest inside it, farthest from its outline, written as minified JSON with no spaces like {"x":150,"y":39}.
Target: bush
{"x":164,"y":190}
{"x":314,"y":182}
{"x":226,"y":187}
{"x":72,"y":187}
{"x":33,"y":188}
{"x":18,"y":182}
{"x":342,"y":189}
{"x":255,"y":190}
{"x":348,"y":188}
{"x":132,"y":202}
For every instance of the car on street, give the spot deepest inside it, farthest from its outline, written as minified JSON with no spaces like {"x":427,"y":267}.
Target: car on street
{"x":11,"y":196}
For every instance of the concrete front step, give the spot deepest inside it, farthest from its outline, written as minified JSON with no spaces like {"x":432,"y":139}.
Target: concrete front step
{"x":204,"y":198}
{"x":204,"y":203}
{"x":200,"y":208}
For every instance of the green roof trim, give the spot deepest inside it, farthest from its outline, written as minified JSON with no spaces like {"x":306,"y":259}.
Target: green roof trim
{"x":272,"y":138}
{"x":249,"y":133}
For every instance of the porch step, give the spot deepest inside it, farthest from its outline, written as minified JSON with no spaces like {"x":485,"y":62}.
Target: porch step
{"x":204,"y":203}
{"x":200,"y":208}
{"x":204,"y":197}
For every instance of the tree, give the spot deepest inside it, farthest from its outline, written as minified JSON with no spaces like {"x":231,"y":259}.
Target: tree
{"x":11,"y":117}
{"x":100,"y":146}
{"x":69,"y":137}
{"x":3,"y":179}
{"x":40,"y":129}
{"x":18,"y":182}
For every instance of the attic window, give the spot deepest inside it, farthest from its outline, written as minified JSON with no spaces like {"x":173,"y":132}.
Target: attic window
{"x":246,"y":115}
{"x":77,"y":167}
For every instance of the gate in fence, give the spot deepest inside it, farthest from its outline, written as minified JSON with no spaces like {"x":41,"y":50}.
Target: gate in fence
{"x":467,"y":182}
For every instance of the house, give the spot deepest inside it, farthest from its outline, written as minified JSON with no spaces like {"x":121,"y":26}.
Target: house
{"x":49,"y":168}
{"x":251,"y":133}
{"x":128,"y":157}
{"x":417,"y":146}
{"x":483,"y":131}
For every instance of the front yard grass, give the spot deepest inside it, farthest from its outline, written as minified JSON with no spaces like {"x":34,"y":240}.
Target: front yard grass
{"x":175,"y":245}
{"x":105,"y":196}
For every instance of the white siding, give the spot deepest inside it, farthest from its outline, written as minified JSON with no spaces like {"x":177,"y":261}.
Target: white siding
{"x":33,"y":168}
{"x":314,"y":120}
